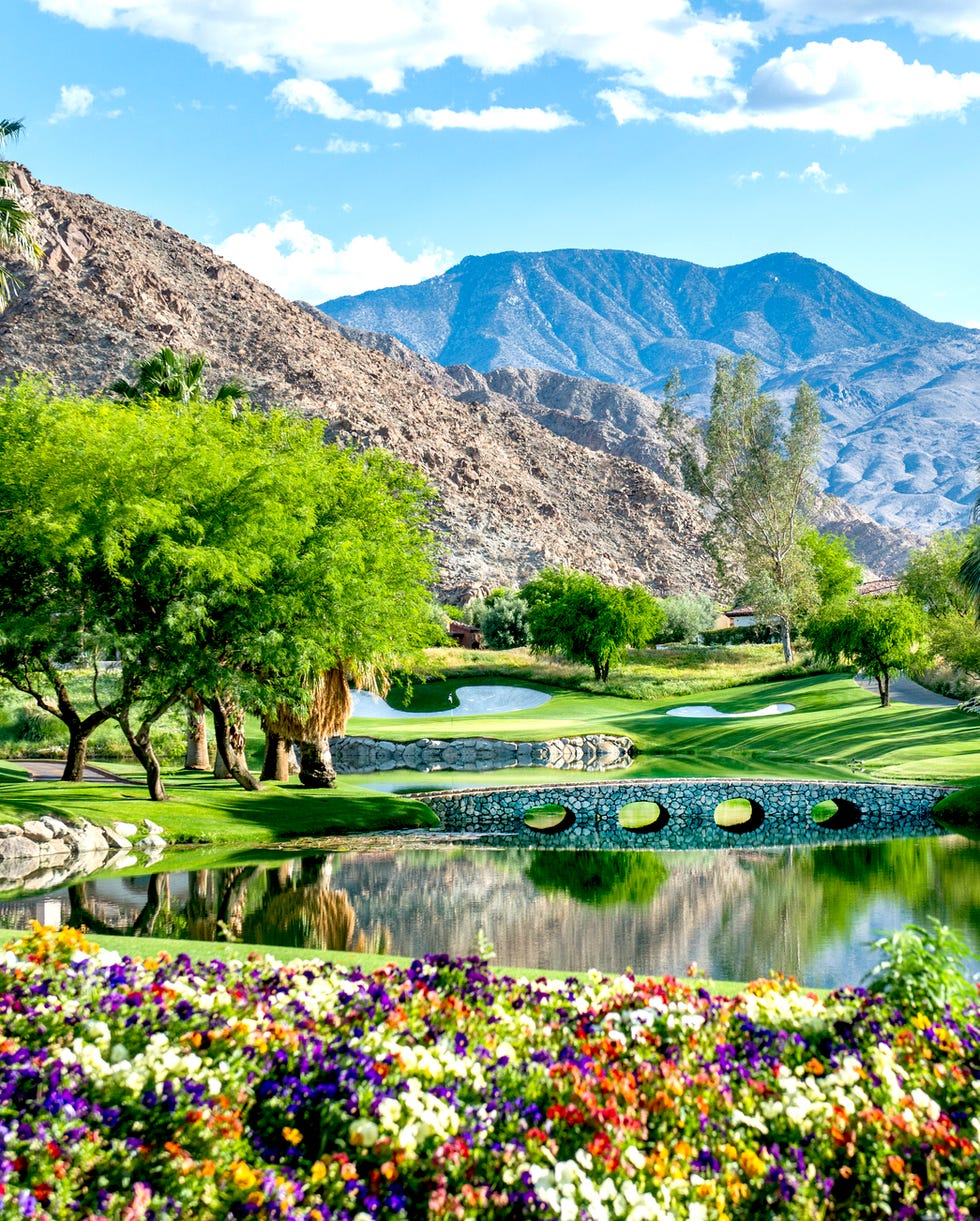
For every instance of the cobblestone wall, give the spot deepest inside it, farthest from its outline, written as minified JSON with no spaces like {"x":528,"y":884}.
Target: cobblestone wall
{"x":589,"y":753}
{"x":781,"y":812}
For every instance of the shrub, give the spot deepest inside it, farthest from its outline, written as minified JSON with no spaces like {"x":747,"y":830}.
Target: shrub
{"x":923,"y":970}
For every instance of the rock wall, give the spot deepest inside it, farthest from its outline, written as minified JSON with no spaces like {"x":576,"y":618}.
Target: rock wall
{"x":781,"y":813}
{"x":591,"y":753}
{"x":46,"y":852}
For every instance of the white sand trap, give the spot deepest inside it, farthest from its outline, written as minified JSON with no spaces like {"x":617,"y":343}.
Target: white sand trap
{"x":705,"y":710}
{"x":472,"y":701}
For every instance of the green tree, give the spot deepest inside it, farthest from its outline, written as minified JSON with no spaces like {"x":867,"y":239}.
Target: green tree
{"x":575,"y":615}
{"x":232,"y":553}
{"x":882,"y":636}
{"x":17,"y":225}
{"x":932,"y":578}
{"x":831,"y":559}
{"x":504,"y":621}
{"x":687,"y":615}
{"x":755,"y":476}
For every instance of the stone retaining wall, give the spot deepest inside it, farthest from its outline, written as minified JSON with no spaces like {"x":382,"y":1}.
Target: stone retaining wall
{"x":47,"y":852}
{"x":590,"y":753}
{"x":781,"y":812}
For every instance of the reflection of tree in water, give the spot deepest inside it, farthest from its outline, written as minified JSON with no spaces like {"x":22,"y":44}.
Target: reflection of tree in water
{"x":806,"y":898}
{"x":598,"y":878}
{"x":157,"y":900}
{"x":306,"y":913}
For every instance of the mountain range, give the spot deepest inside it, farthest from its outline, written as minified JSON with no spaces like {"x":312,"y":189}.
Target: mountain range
{"x":513,"y":494}
{"x":900,"y":393}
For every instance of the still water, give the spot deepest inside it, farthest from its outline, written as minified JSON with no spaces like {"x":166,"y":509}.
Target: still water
{"x":807,"y":912}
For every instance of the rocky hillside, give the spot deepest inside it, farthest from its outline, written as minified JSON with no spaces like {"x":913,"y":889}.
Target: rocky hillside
{"x":115,"y":286}
{"x":900,"y":392}
{"x":621,"y":422}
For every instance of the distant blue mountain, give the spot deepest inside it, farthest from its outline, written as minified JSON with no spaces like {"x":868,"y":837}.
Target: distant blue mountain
{"x":625,"y":317}
{"x":900,"y":393}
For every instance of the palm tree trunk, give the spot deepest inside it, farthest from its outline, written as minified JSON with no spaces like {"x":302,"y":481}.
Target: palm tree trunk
{"x":196,"y":756}
{"x":276,"y":763}
{"x":316,"y":769}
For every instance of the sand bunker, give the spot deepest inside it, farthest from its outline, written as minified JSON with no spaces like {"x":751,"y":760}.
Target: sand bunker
{"x":705,"y":710}
{"x":470,"y":701}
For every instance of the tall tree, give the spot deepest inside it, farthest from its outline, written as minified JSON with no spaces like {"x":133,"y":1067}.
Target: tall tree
{"x":17,"y":225}
{"x":754,"y":474}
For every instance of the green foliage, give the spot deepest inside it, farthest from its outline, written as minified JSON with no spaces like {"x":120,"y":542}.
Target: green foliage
{"x":600,"y":879}
{"x":17,"y":225}
{"x":922,"y":971}
{"x":504,"y":622}
{"x":756,"y":476}
{"x":575,"y":615}
{"x":688,"y":615}
{"x":932,"y":575}
{"x":205,"y":545}
{"x":880,"y":635}
{"x":959,"y":809}
{"x":831,"y":559}
{"x":753,"y":633}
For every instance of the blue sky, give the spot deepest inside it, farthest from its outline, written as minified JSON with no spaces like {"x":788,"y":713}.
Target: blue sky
{"x":331,"y":148}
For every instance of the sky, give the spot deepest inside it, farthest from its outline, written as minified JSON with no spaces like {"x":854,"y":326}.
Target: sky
{"x":333,"y":148}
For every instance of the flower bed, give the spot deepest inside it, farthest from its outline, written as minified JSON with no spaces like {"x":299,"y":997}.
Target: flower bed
{"x":163,"y":1089}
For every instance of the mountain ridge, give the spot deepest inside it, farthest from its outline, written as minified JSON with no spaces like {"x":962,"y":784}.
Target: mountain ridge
{"x":900,"y":392}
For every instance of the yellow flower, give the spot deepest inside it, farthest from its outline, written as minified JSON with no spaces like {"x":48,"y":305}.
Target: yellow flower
{"x":751,"y":1163}
{"x":256,"y":1198}
{"x":243,"y":1176}
{"x":318,"y":1172}
{"x":292,"y":1136}
{"x":921,"y":1022}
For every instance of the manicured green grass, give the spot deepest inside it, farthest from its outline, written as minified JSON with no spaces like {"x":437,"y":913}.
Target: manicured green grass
{"x":203,"y":810}
{"x":838,"y":730}
{"x":10,"y":773}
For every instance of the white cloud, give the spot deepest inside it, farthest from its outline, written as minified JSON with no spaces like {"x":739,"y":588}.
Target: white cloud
{"x":659,"y":44}
{"x":493,"y":118}
{"x":816,"y":175}
{"x":317,"y":98}
{"x":752,"y":176}
{"x":303,"y":265}
{"x":336,"y":146}
{"x":76,"y":101}
{"x":955,"y":18}
{"x":629,"y":106}
{"x":850,"y":88}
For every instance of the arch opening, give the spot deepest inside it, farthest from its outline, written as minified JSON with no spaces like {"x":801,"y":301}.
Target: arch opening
{"x":738,"y":815}
{"x":642,"y":816}
{"x":548,"y":819}
{"x":837,"y":814}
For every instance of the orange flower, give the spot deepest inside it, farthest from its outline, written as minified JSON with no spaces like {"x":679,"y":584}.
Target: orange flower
{"x":895,"y":1164}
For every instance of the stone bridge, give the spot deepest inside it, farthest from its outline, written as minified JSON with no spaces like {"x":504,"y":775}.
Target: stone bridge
{"x":685,"y":813}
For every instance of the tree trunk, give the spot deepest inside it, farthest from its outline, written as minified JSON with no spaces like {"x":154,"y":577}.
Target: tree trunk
{"x":75,"y":759}
{"x":196,"y":757}
{"x":142,"y":748}
{"x":884,"y":689}
{"x":230,"y":741}
{"x":276,"y":763}
{"x":785,"y":641}
{"x":316,"y":770}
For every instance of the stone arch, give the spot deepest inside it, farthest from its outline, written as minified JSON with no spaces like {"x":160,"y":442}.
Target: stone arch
{"x":642,"y":817}
{"x":836,"y":814}
{"x":548,"y":819}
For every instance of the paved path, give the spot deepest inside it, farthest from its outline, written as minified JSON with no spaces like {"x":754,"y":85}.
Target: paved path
{"x":51,"y":769}
{"x":905,"y":691}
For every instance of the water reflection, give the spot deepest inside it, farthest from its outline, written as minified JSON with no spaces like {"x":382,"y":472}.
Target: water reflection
{"x":806,"y":912}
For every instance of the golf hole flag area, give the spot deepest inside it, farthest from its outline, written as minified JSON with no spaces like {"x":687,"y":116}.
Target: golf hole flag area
{"x":161,"y":1088}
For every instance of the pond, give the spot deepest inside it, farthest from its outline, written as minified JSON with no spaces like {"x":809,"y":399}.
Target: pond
{"x":482,"y":700}
{"x":808,"y":912}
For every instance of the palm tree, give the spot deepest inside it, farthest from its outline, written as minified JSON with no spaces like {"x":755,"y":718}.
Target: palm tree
{"x":969,"y":574}
{"x":16,"y":223}
{"x":177,"y":376}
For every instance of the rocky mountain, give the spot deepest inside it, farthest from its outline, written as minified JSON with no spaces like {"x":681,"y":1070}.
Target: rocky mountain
{"x":115,"y":286}
{"x":618,"y":421}
{"x":900,"y":392}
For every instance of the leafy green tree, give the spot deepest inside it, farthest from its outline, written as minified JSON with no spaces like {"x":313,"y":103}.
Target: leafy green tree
{"x":238,"y":556}
{"x":882,"y":636}
{"x":504,"y":621}
{"x":575,"y":615}
{"x":687,"y":615}
{"x":932,"y":578}
{"x":831,"y":558}
{"x":755,"y":476}
{"x":17,"y":225}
